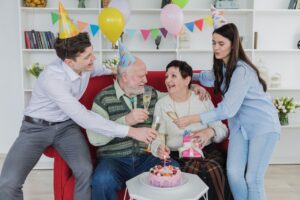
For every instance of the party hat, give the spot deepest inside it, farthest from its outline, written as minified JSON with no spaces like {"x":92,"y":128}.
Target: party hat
{"x":126,"y":58}
{"x":218,"y":17}
{"x":66,"y":27}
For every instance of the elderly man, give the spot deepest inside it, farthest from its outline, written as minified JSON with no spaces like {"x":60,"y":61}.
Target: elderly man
{"x":120,"y":159}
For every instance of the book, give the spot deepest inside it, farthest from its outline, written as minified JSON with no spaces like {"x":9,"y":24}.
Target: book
{"x":293,"y":4}
{"x":298,"y":5}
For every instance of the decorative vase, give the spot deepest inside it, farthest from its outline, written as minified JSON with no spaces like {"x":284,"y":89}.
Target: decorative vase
{"x":284,"y":119}
{"x":81,"y":3}
{"x":157,"y":41}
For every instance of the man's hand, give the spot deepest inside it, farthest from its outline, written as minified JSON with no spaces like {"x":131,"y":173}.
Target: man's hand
{"x":136,"y":116}
{"x":183,"y":122}
{"x":202,"y":137}
{"x":201,"y":92}
{"x":163,"y":152}
{"x":146,"y":135}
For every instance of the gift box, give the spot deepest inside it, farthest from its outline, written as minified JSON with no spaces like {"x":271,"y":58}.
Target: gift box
{"x":190,"y":149}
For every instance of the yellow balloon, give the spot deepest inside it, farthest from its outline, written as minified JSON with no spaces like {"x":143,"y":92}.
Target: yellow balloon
{"x":111,"y":22}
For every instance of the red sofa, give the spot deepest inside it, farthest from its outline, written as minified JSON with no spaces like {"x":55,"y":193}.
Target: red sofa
{"x":63,"y":179}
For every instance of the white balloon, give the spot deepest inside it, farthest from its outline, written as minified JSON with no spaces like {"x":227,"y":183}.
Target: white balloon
{"x":122,"y":6}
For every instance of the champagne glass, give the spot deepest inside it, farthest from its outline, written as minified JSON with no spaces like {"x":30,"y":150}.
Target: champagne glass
{"x":146,"y":100}
{"x":155,"y":126}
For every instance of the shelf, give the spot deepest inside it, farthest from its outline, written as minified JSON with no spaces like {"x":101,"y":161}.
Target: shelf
{"x":277,"y":50}
{"x":70,"y":10}
{"x":28,"y":90}
{"x":38,"y":50}
{"x":141,"y":50}
{"x":291,"y":126}
{"x":283,"y":89}
{"x":277,"y":11}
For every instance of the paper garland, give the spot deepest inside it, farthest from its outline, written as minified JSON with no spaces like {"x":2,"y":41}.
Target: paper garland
{"x":154,"y":32}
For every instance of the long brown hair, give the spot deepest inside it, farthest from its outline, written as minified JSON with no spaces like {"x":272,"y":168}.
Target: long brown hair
{"x":230,"y":32}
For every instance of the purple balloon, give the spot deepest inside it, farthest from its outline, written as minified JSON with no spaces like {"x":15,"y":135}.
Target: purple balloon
{"x":171,"y":17}
{"x":122,"y":6}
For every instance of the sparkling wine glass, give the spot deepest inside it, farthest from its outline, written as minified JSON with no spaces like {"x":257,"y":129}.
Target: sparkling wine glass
{"x":146,"y":101}
{"x":155,"y":126}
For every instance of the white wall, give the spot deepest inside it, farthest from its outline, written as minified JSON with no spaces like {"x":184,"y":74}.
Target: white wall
{"x":11,"y":106}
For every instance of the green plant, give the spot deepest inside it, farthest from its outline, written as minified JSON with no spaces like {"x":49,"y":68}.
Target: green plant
{"x":111,"y":63}
{"x":285,"y":105}
{"x":35,"y":69}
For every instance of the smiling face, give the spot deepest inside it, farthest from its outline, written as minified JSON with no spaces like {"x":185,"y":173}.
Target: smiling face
{"x":175,"y":82}
{"x":221,"y":47}
{"x":83,"y":62}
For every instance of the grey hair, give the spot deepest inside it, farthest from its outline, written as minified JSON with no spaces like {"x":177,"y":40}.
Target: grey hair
{"x":120,"y":69}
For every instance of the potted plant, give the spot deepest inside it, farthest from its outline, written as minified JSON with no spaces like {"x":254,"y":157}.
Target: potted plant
{"x":112,"y":64}
{"x":35,"y":69}
{"x":284,"y":106}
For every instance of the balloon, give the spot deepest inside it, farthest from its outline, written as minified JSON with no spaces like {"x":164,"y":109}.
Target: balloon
{"x":180,"y":3}
{"x":111,"y":22}
{"x":122,"y":6}
{"x":171,"y":18}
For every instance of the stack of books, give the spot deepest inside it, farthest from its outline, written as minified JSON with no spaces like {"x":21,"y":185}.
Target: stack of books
{"x":294,"y":4}
{"x":39,"y":39}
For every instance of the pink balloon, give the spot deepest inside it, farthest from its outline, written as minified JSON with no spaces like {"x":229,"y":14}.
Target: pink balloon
{"x":171,"y":17}
{"x":122,"y":6}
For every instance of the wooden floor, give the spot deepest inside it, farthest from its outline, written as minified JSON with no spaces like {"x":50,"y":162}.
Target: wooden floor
{"x":282,"y":183}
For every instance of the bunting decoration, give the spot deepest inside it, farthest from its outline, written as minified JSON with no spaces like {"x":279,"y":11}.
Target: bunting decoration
{"x":81,"y":25}
{"x":94,"y":28}
{"x":145,"y":33}
{"x":54,"y":17}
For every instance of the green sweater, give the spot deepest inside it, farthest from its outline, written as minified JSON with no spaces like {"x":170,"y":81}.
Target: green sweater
{"x":116,"y":108}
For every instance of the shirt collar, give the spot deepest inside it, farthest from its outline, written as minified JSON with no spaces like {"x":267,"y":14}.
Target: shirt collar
{"x":70,"y":72}
{"x":119,"y":91}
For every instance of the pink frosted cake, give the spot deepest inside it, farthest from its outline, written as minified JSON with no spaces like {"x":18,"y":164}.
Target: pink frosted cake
{"x":167,"y":176}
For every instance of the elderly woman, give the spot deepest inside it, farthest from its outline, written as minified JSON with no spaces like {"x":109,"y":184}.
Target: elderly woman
{"x":181,"y":101}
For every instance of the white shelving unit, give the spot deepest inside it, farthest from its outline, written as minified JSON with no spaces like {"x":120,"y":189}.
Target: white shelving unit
{"x":278,"y":33}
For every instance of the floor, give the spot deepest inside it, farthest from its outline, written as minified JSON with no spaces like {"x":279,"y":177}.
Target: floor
{"x":282,"y":182}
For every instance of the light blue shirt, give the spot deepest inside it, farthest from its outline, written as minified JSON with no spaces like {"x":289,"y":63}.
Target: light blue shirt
{"x":246,"y":106}
{"x":55,"y":97}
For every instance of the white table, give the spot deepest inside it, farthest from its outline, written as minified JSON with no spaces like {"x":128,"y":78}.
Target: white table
{"x":192,"y":189}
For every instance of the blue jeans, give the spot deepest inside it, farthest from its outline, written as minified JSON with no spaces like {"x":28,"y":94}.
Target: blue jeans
{"x":247,"y":163}
{"x":111,"y":173}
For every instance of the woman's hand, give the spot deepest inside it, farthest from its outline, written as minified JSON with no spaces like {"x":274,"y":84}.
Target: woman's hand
{"x":183,"y":122}
{"x":163,"y":152}
{"x":203,"y":137}
{"x":201,"y":92}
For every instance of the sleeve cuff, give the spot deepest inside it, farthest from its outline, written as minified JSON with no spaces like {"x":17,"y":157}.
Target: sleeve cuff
{"x":123,"y":130}
{"x":208,"y":117}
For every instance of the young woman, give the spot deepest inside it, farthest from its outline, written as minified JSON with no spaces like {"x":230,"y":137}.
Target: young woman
{"x":182,"y":101}
{"x":253,"y":120}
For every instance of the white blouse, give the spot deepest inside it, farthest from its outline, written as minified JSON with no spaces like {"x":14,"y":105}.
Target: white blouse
{"x":174,"y":135}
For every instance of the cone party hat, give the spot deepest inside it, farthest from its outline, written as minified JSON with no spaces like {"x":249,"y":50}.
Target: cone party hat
{"x":218,"y":17}
{"x":126,"y":58}
{"x":66,"y":27}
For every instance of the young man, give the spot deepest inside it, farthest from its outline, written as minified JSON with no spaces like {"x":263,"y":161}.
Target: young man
{"x":54,"y":113}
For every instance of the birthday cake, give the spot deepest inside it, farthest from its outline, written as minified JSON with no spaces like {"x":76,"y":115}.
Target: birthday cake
{"x":167,"y":176}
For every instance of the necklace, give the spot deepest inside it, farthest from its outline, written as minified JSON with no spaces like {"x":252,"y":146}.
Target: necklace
{"x":189,"y":105}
